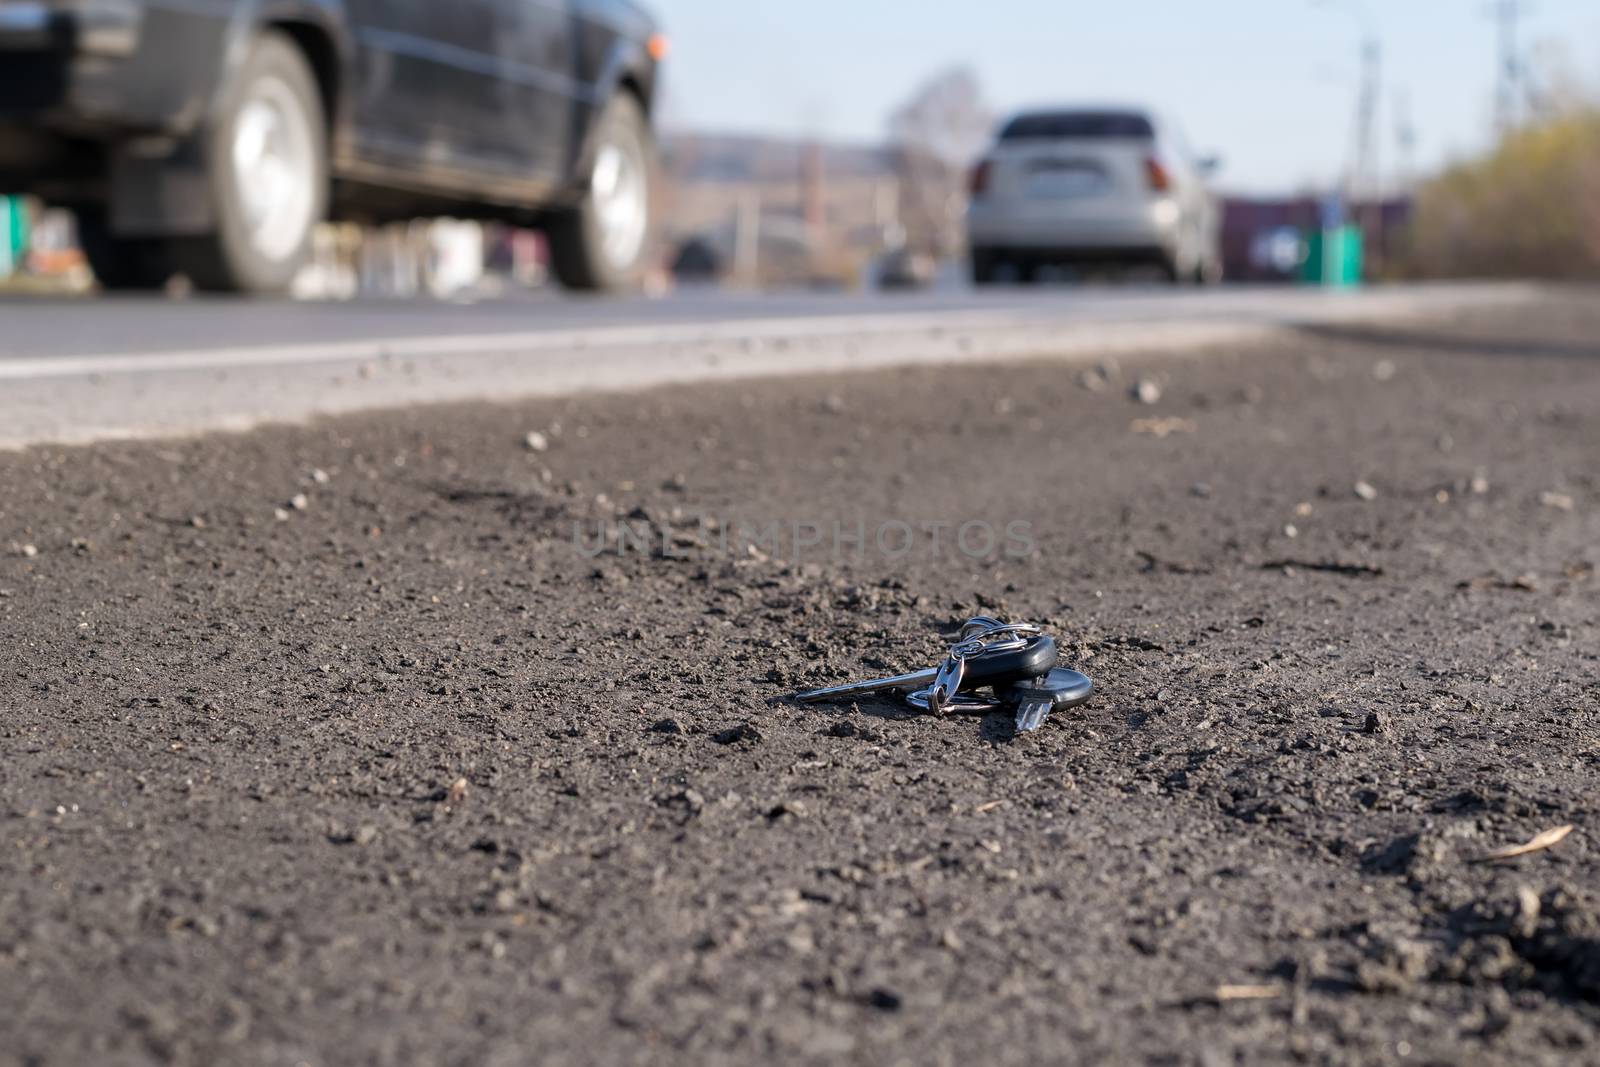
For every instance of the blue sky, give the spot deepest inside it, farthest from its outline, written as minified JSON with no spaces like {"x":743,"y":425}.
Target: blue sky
{"x":1268,"y":84}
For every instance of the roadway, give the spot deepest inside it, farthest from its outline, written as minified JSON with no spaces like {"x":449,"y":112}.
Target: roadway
{"x":77,"y":370}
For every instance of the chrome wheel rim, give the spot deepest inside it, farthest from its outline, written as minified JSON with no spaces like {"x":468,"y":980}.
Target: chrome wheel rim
{"x":273,"y":166}
{"x":621,"y":204}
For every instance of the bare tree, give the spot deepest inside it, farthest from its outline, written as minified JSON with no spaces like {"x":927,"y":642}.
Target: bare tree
{"x":934,"y":136}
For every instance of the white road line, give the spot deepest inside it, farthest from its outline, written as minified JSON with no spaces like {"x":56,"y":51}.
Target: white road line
{"x":76,"y":399}
{"x":564,"y":340}
{"x":1281,"y":307}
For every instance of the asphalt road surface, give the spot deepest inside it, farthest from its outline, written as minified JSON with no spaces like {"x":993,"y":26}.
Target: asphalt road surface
{"x":338,"y":743}
{"x":73,"y":326}
{"x":75,"y":371}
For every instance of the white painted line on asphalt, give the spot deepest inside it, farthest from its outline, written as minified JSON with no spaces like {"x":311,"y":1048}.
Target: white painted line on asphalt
{"x":176,"y":403}
{"x":81,"y":399}
{"x":573,"y":341}
{"x":1265,"y":307}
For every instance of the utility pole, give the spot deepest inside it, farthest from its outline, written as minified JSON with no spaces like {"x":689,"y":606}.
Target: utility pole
{"x":814,"y":195}
{"x":1364,"y":174}
{"x":1405,"y":142}
{"x":1509,"y":82}
{"x":1363,"y":178}
{"x":747,"y":237}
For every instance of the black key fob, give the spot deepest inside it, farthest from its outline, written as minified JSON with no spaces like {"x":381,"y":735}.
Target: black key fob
{"x":1002,"y":668}
{"x":1062,"y":687}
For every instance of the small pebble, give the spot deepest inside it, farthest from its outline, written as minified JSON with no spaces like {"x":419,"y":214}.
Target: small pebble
{"x":30,"y":550}
{"x":1559,"y":501}
{"x":299,"y":502}
{"x":1146,"y":391}
{"x":320,"y":476}
{"x":1365,"y":491}
{"x":537,"y":442}
{"x":790,"y":808}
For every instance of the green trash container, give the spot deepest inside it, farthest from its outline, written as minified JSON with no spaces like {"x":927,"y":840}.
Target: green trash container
{"x":1333,"y":257}
{"x":13,"y":234}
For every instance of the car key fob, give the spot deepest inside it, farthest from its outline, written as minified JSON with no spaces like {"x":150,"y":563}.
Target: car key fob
{"x":1001,"y":668}
{"x":1035,"y":698}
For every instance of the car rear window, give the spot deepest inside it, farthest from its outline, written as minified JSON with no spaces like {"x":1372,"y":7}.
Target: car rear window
{"x":1080,"y":124}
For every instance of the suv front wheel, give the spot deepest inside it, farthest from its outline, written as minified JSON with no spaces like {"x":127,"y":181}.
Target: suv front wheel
{"x":606,"y":240}
{"x":267,"y":166}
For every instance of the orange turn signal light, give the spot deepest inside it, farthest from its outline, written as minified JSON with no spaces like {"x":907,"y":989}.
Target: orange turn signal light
{"x":658,"y":46}
{"x":1160,"y":181}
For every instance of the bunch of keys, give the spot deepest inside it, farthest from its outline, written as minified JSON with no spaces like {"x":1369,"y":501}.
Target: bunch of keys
{"x":1017,"y":661}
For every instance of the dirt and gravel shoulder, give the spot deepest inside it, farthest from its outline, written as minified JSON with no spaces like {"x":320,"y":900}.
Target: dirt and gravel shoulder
{"x":340,"y":744}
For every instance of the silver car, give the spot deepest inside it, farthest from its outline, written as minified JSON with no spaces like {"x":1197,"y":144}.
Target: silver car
{"x":1092,"y":186}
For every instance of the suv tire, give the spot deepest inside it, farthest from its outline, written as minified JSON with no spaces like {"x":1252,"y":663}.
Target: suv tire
{"x":605,"y":242}
{"x":267,"y":167}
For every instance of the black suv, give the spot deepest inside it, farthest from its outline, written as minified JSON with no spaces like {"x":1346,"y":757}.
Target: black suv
{"x":210,"y":136}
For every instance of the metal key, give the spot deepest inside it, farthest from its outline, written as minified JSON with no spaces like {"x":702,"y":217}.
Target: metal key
{"x":1010,"y":653}
{"x":1035,"y":698}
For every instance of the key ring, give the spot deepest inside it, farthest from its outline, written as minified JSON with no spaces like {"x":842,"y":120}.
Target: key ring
{"x":984,"y":634}
{"x":959,"y":704}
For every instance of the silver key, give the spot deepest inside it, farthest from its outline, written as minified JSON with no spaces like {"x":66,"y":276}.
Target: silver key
{"x":914,"y":680}
{"x":980,"y":634}
{"x":1031,"y":713}
{"x":1061,"y":688}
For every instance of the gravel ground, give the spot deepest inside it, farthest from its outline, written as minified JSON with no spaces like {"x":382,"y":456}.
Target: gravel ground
{"x":342,"y":744}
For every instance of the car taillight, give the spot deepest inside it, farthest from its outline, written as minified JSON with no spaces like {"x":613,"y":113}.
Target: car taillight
{"x":1157,"y":175}
{"x":979,"y":180}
